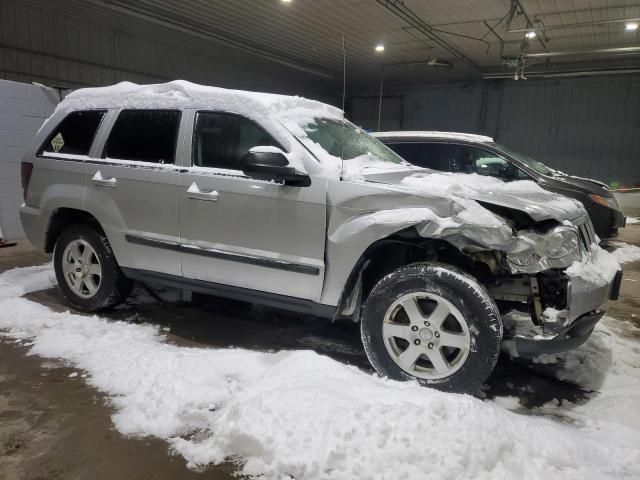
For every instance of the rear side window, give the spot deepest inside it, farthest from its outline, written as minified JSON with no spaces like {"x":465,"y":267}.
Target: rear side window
{"x":75,"y":133}
{"x":144,"y":136}
{"x":221,"y":140}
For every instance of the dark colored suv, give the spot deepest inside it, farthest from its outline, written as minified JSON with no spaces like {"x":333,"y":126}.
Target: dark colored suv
{"x":468,"y":153}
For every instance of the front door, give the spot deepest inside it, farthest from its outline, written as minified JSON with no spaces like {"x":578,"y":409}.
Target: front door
{"x":242,"y":232}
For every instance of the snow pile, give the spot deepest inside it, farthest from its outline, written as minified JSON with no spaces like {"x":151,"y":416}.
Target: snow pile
{"x":553,"y":315}
{"x":598,"y":268}
{"x":355,"y":169}
{"x":608,"y":363}
{"x":626,"y":253}
{"x":183,"y":94}
{"x":469,"y":185}
{"x":17,"y":282}
{"x":300,"y":415}
{"x":632,"y":220}
{"x":521,"y":193}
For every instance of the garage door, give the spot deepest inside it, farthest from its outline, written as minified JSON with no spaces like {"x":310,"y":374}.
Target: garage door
{"x":23,"y":108}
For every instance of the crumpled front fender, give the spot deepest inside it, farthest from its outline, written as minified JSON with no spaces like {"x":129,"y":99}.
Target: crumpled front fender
{"x":361,"y":214}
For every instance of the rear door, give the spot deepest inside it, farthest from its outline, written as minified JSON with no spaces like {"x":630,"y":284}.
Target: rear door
{"x":60,"y":162}
{"x":243,"y":232}
{"x":58,"y":175}
{"x":133,"y":189}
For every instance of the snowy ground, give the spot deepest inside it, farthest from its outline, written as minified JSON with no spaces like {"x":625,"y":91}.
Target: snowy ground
{"x":303,"y":415}
{"x":625,"y":252}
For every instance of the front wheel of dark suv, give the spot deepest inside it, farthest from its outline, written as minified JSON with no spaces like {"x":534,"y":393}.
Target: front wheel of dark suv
{"x":432,"y":323}
{"x":87,"y":271}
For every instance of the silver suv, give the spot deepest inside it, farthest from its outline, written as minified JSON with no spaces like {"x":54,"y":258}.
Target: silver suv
{"x":279,"y":201}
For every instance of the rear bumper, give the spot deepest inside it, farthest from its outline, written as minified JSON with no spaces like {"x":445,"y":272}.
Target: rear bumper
{"x":31,"y":219}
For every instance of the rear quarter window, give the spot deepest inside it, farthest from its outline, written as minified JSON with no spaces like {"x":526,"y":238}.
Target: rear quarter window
{"x":75,"y":133}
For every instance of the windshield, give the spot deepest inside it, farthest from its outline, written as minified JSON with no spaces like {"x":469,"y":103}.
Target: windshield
{"x":528,"y":161}
{"x":347,"y":141}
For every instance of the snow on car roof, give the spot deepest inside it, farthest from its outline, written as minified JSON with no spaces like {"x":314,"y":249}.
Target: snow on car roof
{"x":183,"y":94}
{"x":469,"y":137}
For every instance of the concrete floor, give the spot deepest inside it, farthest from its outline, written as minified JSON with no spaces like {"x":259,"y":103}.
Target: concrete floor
{"x":56,"y":427}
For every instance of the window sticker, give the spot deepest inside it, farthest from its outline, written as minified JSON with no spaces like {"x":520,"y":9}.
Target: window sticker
{"x":57,"y":142}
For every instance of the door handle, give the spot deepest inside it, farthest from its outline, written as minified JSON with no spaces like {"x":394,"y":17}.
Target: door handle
{"x":195,"y":193}
{"x":100,"y":181}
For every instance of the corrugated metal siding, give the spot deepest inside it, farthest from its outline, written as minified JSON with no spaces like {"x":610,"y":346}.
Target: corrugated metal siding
{"x":448,"y":108}
{"x":584,"y":126}
{"x":363,"y":111}
{"x":44,"y":45}
{"x":587,"y":127}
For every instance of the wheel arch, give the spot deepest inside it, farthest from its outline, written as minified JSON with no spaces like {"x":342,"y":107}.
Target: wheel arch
{"x":386,"y":255}
{"x":62,"y":218}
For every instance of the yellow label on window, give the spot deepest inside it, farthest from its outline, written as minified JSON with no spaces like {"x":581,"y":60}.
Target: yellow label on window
{"x":57,"y":142}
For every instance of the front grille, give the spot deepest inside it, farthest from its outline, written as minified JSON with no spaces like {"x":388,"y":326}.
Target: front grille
{"x":587,"y":234}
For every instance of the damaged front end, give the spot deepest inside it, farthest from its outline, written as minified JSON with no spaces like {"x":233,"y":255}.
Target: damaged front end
{"x":545,"y":262}
{"x":555,"y":272}
{"x":553,"y":269}
{"x":562,"y":279}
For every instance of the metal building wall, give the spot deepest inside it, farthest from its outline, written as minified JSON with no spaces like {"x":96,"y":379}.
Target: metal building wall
{"x":37,"y":43}
{"x":584,"y":126}
{"x":363,"y":111}
{"x":588,"y":127}
{"x":447,"y":108}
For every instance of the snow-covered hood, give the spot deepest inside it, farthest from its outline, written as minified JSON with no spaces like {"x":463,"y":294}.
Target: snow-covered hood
{"x":524,"y":195}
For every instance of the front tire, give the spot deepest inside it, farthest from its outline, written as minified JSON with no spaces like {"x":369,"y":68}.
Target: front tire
{"x":87,"y":271}
{"x":432,"y":323}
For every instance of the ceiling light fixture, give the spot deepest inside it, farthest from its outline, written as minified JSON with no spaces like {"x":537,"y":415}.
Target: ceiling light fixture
{"x":380,"y":48}
{"x":631,"y":26}
{"x":530,"y":34}
{"x":286,"y":1}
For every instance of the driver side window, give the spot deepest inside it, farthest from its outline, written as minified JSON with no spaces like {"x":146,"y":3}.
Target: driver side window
{"x":491,"y":165}
{"x":220,"y":140}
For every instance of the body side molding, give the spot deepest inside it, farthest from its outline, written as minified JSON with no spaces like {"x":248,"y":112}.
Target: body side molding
{"x":236,"y":293}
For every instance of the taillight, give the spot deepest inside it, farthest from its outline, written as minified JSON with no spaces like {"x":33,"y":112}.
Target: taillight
{"x":25,"y":172}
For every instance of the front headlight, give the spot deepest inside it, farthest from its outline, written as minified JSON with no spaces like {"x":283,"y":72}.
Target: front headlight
{"x":561,"y":241}
{"x":610,"y":202}
{"x":558,"y":248}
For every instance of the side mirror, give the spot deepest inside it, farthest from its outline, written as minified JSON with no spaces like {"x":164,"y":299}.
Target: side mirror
{"x":270,"y":163}
{"x":509,"y":172}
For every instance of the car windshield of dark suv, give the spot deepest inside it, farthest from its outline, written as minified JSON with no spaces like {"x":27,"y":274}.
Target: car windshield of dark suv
{"x":345,"y":140}
{"x":528,"y":161}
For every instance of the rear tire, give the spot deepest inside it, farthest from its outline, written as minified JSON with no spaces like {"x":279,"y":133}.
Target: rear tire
{"x":87,"y":271}
{"x":432,"y":323}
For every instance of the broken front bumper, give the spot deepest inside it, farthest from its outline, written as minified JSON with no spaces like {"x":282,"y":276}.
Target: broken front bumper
{"x":576,"y":325}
